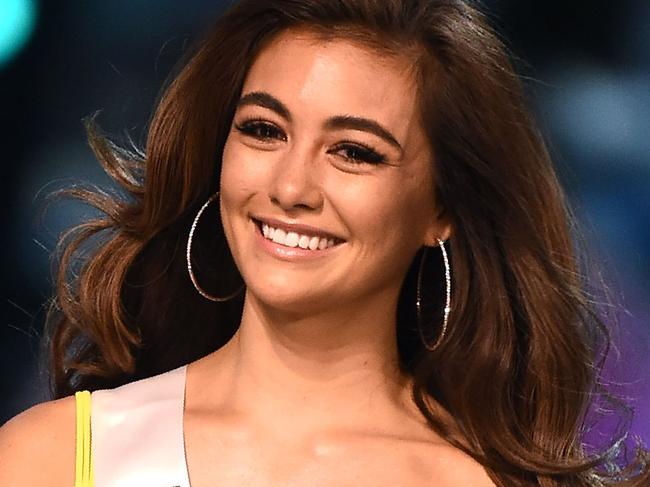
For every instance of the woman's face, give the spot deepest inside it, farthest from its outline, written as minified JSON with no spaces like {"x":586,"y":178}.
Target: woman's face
{"x":326,"y":149}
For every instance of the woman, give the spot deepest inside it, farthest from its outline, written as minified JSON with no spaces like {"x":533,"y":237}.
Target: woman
{"x":398,"y":301}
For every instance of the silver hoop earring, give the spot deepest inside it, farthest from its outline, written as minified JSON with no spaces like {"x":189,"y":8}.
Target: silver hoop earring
{"x":418,"y":300}
{"x":188,"y":256}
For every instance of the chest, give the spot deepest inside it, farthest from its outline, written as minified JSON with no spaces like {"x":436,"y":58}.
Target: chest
{"x":228,"y":458}
{"x":144,"y":435}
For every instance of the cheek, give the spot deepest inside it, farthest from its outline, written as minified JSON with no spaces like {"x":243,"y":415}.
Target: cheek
{"x":242,"y":171}
{"x":228,"y":167}
{"x":418,"y":198}
{"x":404,"y":215}
{"x":381,"y":212}
{"x":235,"y":186}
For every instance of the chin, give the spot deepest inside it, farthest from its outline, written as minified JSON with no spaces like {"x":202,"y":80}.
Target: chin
{"x":289,"y":297}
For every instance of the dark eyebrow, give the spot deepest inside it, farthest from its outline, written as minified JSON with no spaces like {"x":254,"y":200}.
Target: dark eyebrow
{"x":265,"y":100}
{"x":337,"y":122}
{"x":363,"y":124}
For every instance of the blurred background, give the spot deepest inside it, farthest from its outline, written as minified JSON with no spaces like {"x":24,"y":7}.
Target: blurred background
{"x":586,"y":65}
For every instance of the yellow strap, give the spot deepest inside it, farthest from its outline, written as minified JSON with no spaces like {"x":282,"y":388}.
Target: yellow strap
{"x":83,"y":461}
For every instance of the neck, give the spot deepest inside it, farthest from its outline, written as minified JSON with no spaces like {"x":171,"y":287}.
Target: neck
{"x":330,"y":367}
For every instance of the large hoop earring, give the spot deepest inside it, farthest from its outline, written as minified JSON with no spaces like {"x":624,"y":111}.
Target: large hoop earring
{"x":188,"y":256}
{"x":418,"y":300}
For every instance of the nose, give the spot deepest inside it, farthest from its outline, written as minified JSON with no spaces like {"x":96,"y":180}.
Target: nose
{"x":295,"y":183}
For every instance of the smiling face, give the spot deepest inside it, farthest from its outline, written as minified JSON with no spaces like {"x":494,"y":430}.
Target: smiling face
{"x":327,"y":179}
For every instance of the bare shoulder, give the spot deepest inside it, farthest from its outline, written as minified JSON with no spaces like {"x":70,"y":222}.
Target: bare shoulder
{"x":430,"y":457}
{"x":414,"y":462}
{"x":454,"y":467}
{"x":37,"y":447}
{"x":427,"y":458}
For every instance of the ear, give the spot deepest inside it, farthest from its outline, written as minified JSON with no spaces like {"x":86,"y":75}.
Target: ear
{"x":439,"y":228}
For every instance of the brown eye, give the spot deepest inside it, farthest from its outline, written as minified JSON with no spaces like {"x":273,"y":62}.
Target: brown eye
{"x":260,"y":130}
{"x":359,"y":154}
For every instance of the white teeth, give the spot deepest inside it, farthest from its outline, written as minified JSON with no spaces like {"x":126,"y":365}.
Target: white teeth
{"x":313,"y":243}
{"x":293,"y":239}
{"x":279,"y":236}
{"x":303,"y":243}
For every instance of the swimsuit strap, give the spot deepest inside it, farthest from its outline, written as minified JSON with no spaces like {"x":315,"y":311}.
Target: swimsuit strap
{"x":137,"y":432}
{"x":83,"y":461}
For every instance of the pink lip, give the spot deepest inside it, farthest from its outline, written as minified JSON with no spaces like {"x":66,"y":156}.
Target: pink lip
{"x":298,"y":228}
{"x":290,"y":253}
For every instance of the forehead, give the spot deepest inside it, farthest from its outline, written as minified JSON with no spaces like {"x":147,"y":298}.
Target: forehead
{"x":322,"y":77}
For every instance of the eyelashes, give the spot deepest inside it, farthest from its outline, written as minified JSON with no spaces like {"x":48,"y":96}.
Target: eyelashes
{"x":261,"y":130}
{"x":350,"y":151}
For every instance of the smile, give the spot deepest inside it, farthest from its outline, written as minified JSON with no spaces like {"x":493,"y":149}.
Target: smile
{"x":296,"y":240}
{"x":293,"y":239}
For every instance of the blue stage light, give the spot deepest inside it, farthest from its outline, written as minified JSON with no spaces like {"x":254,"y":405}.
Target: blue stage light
{"x":17,"y":21}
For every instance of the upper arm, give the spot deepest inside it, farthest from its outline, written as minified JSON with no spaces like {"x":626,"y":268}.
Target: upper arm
{"x":37,"y":447}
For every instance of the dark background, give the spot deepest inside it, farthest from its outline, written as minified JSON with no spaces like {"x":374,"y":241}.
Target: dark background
{"x":587,"y":69}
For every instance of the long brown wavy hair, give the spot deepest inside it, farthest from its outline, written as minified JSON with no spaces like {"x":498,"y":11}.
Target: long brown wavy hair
{"x":519,"y":365}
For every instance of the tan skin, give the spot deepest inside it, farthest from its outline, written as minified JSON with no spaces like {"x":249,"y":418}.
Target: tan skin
{"x":308,"y":391}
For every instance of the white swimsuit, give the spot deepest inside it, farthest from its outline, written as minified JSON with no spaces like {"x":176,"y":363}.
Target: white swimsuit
{"x":137,"y":433}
